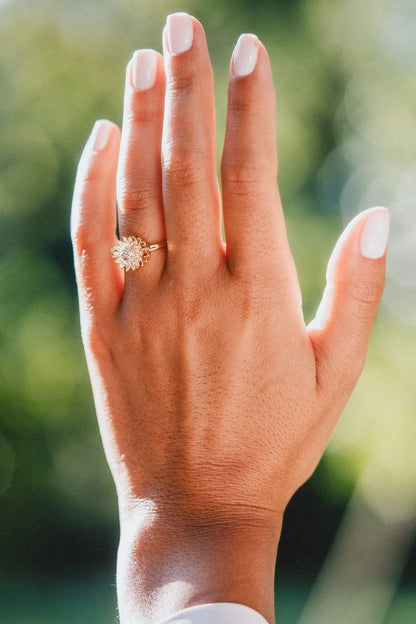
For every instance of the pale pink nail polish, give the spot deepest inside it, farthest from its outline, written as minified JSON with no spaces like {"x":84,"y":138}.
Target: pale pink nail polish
{"x":245,"y":55}
{"x":99,"y":135}
{"x":143,"y":69}
{"x":180,"y":32}
{"x":375,"y":233}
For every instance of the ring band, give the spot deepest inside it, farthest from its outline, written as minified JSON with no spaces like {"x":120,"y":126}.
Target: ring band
{"x":133,"y":252}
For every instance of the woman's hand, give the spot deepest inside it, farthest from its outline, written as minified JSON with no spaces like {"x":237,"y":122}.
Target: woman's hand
{"x":215,"y":402}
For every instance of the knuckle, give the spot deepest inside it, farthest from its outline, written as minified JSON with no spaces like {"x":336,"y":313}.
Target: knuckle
{"x":130,"y":200}
{"x":244,"y":179}
{"x":190,"y":311}
{"x":84,"y":238}
{"x":235,"y":172}
{"x":241,"y":106}
{"x":182,"y":80}
{"x":143,"y":115}
{"x":190,"y":301}
{"x":245,"y":102}
{"x":364,"y":296}
{"x":253,"y":297}
{"x":182,"y":170}
{"x":245,"y":189}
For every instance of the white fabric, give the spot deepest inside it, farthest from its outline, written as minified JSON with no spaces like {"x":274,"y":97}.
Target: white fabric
{"x":216,"y":613}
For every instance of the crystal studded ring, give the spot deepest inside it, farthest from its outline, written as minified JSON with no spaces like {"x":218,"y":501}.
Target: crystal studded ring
{"x":133,"y":252}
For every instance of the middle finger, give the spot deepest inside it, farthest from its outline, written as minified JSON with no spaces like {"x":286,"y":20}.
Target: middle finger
{"x":190,"y":186}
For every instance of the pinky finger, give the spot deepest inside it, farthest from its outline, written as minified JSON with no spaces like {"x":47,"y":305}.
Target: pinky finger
{"x":93,"y":223}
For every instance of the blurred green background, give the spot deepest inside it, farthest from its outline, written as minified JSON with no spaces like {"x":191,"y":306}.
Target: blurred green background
{"x":345,"y":76}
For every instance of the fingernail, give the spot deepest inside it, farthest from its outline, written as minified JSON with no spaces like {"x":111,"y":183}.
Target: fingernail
{"x":143,"y":70}
{"x":245,"y":55}
{"x":375,"y":233}
{"x":99,"y":135}
{"x":180,"y":32}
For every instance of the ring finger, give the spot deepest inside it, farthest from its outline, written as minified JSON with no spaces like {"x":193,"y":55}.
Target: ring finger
{"x":139,"y":195}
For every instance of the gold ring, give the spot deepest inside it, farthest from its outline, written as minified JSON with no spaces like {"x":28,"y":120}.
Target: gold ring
{"x":133,"y":252}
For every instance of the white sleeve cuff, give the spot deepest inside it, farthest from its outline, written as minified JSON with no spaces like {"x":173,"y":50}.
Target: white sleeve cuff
{"x":216,"y":613}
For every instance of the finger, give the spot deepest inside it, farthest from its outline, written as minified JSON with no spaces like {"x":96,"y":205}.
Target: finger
{"x":139,"y":192}
{"x":93,"y":221}
{"x":253,"y":218}
{"x":190,"y":185}
{"x":355,"y":280}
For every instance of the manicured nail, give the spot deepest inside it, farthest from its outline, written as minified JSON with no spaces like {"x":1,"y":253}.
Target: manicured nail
{"x":245,"y":55}
{"x":180,"y":32}
{"x":375,"y":234}
{"x":99,"y":135}
{"x":143,"y":69}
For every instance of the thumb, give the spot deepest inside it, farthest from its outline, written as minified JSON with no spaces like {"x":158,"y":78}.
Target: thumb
{"x":355,"y":280}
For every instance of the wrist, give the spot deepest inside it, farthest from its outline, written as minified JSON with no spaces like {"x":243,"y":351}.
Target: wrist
{"x":168,"y":562}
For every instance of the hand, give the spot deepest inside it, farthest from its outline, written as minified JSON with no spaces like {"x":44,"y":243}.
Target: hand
{"x":215,"y":402}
